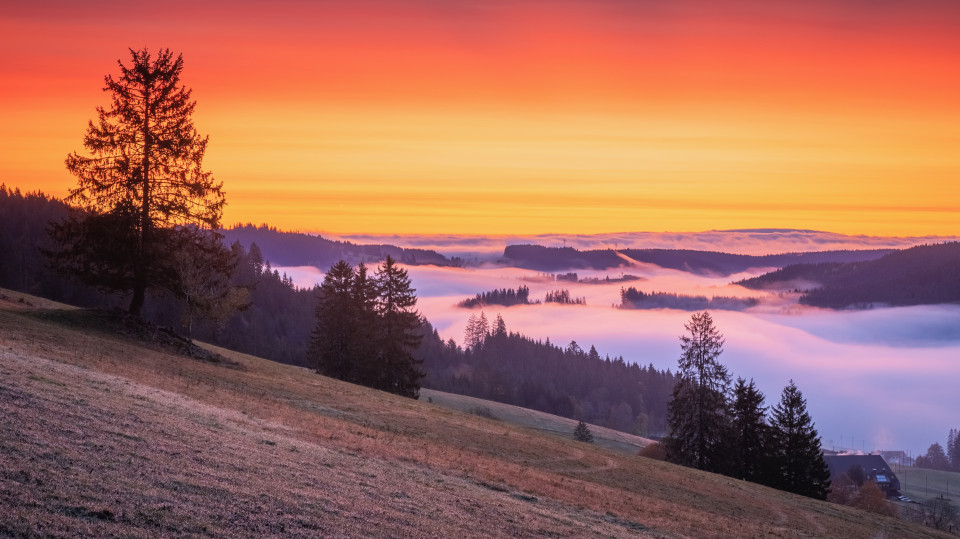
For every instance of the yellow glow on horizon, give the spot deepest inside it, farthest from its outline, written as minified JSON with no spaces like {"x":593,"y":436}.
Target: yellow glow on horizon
{"x":423,"y":171}
{"x":513,"y":118}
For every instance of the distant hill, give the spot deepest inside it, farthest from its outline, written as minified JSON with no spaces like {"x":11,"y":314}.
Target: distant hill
{"x":542,"y":258}
{"x":926,"y":274}
{"x":299,"y":249}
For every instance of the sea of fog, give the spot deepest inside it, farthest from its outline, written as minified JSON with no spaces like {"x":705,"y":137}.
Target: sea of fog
{"x":884,"y":378}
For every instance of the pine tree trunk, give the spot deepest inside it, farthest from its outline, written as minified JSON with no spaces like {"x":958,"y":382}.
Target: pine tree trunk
{"x":139,"y":265}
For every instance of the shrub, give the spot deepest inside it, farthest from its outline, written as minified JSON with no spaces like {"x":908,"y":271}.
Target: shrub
{"x":653,"y":451}
{"x":582,"y":433}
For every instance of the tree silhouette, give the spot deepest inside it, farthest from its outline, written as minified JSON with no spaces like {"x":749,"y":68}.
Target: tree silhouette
{"x":203,"y":267}
{"x":399,"y":331}
{"x":797,"y":456}
{"x":332,"y":340}
{"x":698,"y":412}
{"x":750,"y":432}
{"x":582,"y":433}
{"x":935,"y":458}
{"x":142,"y":177}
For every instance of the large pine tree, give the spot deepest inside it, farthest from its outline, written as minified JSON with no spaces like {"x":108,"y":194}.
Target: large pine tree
{"x":798,"y":464}
{"x":399,"y":329}
{"x":698,"y":412}
{"x":142,"y":178}
{"x":750,"y":432}
{"x":333,"y":341}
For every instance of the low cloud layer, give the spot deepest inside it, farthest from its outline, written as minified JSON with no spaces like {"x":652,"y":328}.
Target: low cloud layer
{"x":877,"y":379}
{"x":754,"y":242}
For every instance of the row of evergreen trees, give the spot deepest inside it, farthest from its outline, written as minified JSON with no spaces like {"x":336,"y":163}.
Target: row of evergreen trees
{"x":502,"y":296}
{"x":724,"y":430}
{"x":367,"y":329}
{"x":505,"y":366}
{"x":940,"y":458}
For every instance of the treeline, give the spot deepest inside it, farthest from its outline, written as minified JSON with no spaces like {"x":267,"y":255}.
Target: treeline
{"x":507,"y":297}
{"x":563,"y":297}
{"x":938,"y":458}
{"x":507,"y":367}
{"x":631,"y":298}
{"x":24,"y":221}
{"x":926,"y":274}
{"x":503,"y":296}
{"x":299,"y":249}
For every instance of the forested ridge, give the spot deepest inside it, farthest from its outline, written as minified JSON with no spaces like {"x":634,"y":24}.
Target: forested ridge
{"x":299,"y":249}
{"x":926,"y":274}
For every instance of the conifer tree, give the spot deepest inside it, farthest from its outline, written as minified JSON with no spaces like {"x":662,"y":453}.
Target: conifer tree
{"x":399,"y":331}
{"x":364,"y":350}
{"x":749,"y":433}
{"x":582,"y":433}
{"x":333,"y":339}
{"x":143,"y":177}
{"x":698,"y":412}
{"x":797,"y":457}
{"x":953,"y":449}
{"x":499,"y":327}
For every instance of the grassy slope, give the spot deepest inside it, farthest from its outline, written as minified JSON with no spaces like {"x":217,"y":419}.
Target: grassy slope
{"x":102,"y":435}
{"x":525,"y":417}
{"x":922,"y":484}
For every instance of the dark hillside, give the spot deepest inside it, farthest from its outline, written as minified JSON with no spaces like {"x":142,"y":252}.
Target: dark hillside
{"x":926,"y":274}
{"x":298,"y":249}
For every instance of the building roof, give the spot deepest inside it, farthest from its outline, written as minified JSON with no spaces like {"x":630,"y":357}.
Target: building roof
{"x":873,"y":466}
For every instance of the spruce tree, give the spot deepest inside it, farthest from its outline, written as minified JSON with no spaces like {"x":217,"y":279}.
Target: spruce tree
{"x":797,"y":457}
{"x":333,"y":340}
{"x":399,"y":331}
{"x":364,"y":348}
{"x":698,"y":412}
{"x":582,"y":433}
{"x":749,"y":432}
{"x":953,"y":449}
{"x":499,"y":327}
{"x":142,"y":178}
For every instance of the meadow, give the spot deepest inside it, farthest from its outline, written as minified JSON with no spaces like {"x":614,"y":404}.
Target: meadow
{"x":105,"y":434}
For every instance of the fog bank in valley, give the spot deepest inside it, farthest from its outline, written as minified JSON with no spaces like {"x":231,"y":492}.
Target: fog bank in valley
{"x":876,"y":379}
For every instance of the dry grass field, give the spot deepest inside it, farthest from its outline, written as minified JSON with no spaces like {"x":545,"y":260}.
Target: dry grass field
{"x":103,"y":435}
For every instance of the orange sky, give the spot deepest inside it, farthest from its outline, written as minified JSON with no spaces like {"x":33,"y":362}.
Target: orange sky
{"x":529,"y":116}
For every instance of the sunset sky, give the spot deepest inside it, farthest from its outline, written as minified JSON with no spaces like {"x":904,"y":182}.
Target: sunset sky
{"x":524,"y":116}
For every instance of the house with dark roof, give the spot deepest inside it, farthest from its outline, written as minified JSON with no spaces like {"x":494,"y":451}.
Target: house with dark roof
{"x":874,"y":467}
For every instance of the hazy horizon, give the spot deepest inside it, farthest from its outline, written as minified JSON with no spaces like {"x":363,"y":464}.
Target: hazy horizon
{"x":884,"y":377}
